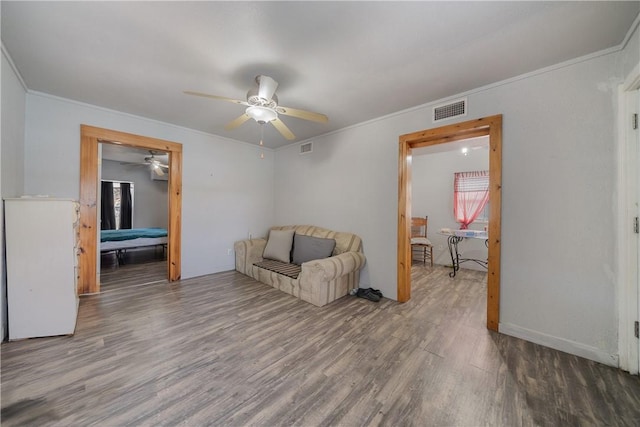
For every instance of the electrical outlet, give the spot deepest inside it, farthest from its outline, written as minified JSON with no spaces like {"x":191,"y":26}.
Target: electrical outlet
{"x":229,"y":251}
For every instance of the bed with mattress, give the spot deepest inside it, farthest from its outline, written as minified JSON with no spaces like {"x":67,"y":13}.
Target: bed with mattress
{"x":120,"y":240}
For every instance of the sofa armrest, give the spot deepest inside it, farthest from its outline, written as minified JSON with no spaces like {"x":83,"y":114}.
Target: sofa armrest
{"x":248,"y":252}
{"x":331,"y":268}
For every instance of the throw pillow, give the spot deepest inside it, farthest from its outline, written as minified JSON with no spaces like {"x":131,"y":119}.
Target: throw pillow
{"x":279,"y":245}
{"x":308,"y":248}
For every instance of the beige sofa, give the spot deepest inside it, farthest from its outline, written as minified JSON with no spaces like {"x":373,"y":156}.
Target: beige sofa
{"x":319,"y":281}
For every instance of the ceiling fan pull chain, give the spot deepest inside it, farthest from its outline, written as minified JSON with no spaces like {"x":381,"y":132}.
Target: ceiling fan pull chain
{"x":261,"y":140}
{"x":261,"y":134}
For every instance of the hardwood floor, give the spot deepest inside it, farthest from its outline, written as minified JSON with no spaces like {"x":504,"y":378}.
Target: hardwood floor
{"x":140,"y":268}
{"x":226,"y":350}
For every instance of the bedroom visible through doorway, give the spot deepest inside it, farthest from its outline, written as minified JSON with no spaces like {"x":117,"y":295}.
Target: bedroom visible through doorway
{"x":89,"y":248}
{"x":133,"y":216}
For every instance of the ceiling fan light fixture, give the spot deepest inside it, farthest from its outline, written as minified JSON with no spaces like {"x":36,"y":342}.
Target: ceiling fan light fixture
{"x":262,"y":106}
{"x":261,"y":114}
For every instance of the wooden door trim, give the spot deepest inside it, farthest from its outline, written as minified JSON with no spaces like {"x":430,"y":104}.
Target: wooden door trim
{"x":487,"y":126}
{"x":90,"y":137}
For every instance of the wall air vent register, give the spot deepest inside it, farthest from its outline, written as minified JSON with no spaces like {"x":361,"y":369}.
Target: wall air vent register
{"x":306,"y":148}
{"x":456,"y":108}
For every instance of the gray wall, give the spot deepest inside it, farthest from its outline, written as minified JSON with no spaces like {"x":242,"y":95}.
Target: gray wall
{"x":11,"y":160}
{"x":151,"y":198}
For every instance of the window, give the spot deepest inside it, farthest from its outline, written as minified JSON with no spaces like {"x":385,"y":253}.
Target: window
{"x":484,"y":215}
{"x":470,"y":197}
{"x":116,"y":205}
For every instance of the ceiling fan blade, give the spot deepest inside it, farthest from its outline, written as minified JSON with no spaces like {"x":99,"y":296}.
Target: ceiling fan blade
{"x":302,"y":114}
{"x":283,"y":129}
{"x":237,"y":122}
{"x":266,"y":87}
{"x":223,"y":98}
{"x":156,"y":163}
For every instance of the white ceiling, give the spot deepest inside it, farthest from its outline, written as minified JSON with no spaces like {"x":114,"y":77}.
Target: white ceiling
{"x":353,"y":61}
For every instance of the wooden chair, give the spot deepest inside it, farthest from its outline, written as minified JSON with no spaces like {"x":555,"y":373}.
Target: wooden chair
{"x":420,"y":244}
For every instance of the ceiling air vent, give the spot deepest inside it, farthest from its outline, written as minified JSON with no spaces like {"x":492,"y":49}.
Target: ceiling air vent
{"x":454,"y":109}
{"x":306,"y":148}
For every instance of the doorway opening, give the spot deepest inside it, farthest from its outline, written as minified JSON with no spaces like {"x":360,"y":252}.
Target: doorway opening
{"x":133,"y":198}
{"x":488,"y":126}
{"x":91,"y":137}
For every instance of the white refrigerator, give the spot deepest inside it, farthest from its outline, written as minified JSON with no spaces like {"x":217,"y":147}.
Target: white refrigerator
{"x":41,"y":252}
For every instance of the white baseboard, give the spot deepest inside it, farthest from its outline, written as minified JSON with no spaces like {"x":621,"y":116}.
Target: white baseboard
{"x":562,"y":344}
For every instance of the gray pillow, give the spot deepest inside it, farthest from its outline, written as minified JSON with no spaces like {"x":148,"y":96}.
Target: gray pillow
{"x":279,"y":245}
{"x":308,"y":248}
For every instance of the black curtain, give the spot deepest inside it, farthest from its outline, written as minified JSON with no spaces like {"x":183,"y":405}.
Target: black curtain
{"x":107,"y":214}
{"x":125,"y":205}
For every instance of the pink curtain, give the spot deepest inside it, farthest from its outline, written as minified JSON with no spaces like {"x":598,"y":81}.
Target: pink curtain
{"x":470,"y":195}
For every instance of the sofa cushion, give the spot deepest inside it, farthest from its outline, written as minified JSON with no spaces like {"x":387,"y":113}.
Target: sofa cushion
{"x":345,"y":242}
{"x":308,"y":248}
{"x":279,"y":245}
{"x":289,"y":270}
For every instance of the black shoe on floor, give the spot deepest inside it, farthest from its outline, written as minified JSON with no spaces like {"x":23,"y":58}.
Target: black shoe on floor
{"x":367,"y":294}
{"x":376,"y":291}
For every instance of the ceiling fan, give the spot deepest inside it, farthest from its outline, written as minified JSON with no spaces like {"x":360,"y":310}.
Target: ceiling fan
{"x":156,"y":165}
{"x":262,"y":106}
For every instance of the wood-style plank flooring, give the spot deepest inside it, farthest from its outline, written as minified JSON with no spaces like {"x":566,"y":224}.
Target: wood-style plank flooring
{"x":225,"y":350}
{"x":140,"y":268}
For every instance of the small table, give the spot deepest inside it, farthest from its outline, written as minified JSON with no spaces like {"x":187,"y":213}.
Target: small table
{"x":455,"y":237}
